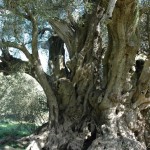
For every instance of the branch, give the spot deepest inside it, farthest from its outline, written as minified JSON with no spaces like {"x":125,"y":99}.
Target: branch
{"x":34,"y":33}
{"x":140,"y":96}
{"x":110,"y":8}
{"x":65,"y":32}
{"x":23,"y":15}
{"x":18,"y":46}
{"x":35,"y":38}
{"x":42,"y":31}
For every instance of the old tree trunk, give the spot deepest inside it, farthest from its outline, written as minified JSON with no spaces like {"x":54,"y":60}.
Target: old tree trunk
{"x":95,"y":99}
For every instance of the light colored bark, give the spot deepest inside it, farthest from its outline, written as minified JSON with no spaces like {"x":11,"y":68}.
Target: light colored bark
{"x":89,"y":114}
{"x":143,"y":86}
{"x":110,"y":8}
{"x":124,"y":43}
{"x":51,"y":98}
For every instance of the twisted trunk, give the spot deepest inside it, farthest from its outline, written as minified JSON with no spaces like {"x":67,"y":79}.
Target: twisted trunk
{"x":95,"y":99}
{"x":98,"y":105}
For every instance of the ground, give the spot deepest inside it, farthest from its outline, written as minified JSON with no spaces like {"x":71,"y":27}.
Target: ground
{"x":11,"y":132}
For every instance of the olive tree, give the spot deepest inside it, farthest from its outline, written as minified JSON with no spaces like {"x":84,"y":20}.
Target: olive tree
{"x":95,"y":97}
{"x":22,"y":99}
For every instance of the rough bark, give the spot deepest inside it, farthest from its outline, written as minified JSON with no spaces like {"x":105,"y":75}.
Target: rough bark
{"x":98,"y":104}
{"x":100,"y":114}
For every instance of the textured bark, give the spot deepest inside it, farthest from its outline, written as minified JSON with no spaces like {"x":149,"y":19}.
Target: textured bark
{"x":97,"y":113}
{"x":51,"y":99}
{"x":97,"y":104}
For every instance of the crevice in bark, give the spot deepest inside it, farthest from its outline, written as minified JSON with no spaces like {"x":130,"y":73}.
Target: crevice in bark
{"x":139,"y":66}
{"x":89,"y":140}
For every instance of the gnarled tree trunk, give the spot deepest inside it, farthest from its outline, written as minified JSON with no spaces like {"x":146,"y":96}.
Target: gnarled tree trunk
{"x":96,"y":98}
{"x":101,"y":98}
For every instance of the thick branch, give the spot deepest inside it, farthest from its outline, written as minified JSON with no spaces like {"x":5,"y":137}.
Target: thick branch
{"x":110,"y":8}
{"x":148,"y":27}
{"x":140,"y":96}
{"x":51,"y":98}
{"x":34,"y":38}
{"x":123,"y":44}
{"x":18,"y":46}
{"x":42,"y":31}
{"x":34,"y":34}
{"x":64,"y":31}
{"x":109,"y":11}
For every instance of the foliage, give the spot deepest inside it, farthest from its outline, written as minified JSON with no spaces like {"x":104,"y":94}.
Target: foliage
{"x":22,"y":99}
